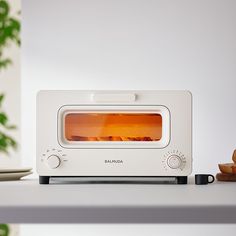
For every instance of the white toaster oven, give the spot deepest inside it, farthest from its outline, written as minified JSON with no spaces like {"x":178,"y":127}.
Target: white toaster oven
{"x":114,"y":134}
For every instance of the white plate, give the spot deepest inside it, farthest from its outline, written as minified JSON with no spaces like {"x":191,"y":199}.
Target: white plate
{"x":15,"y":170}
{"x":14,"y":176}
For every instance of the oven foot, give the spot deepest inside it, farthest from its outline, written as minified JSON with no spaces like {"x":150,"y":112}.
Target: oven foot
{"x":44,"y":179}
{"x":182,"y":179}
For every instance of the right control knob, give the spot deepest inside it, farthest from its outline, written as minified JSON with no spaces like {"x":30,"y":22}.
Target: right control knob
{"x":174,"y":161}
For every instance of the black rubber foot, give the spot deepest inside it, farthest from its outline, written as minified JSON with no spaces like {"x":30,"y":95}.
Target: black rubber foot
{"x":182,"y":179}
{"x":44,"y":179}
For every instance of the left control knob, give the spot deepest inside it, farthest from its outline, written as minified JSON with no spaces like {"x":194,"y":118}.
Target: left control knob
{"x":53,"y":161}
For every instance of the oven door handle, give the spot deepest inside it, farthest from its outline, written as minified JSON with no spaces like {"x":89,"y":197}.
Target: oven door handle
{"x":112,"y":97}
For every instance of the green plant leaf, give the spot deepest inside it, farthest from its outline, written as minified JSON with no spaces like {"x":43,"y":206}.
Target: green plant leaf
{"x":4,"y":63}
{"x":3,"y":143}
{"x":4,"y":230}
{"x":4,"y":9}
{"x":10,"y":127}
{"x":10,"y":31}
{"x":3,"y":119}
{"x":6,"y":142}
{"x":1,"y":99}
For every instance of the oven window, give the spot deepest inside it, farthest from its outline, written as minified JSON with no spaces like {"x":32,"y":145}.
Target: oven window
{"x":113,"y":127}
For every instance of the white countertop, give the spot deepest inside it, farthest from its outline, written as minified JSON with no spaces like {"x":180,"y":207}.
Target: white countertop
{"x":26,"y":201}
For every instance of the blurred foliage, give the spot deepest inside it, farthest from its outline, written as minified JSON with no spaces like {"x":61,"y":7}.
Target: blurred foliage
{"x":9,"y":33}
{"x":4,"y":230}
{"x":5,"y":140}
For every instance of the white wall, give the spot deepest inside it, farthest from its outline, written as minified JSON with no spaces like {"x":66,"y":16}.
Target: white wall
{"x":10,"y":85}
{"x":136,"y":44}
{"x":130,"y":230}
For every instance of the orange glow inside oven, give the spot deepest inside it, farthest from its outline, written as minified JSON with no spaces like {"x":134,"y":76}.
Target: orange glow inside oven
{"x":113,"y":127}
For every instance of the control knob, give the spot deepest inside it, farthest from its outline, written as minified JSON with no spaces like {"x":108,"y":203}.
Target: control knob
{"x":53,"y":161}
{"x":174,"y":161}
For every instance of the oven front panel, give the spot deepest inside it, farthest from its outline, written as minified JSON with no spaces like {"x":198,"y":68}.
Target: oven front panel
{"x":94,"y":133}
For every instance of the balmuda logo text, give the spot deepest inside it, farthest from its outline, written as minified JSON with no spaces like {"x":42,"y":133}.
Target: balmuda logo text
{"x":113,"y":161}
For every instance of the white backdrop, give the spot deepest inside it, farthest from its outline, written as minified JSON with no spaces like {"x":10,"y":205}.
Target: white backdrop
{"x":136,"y":44}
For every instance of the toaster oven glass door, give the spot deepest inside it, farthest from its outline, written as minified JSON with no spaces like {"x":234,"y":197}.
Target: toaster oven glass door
{"x":114,"y":127}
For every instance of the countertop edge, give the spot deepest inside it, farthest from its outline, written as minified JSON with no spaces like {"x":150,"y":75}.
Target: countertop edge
{"x":124,"y":215}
